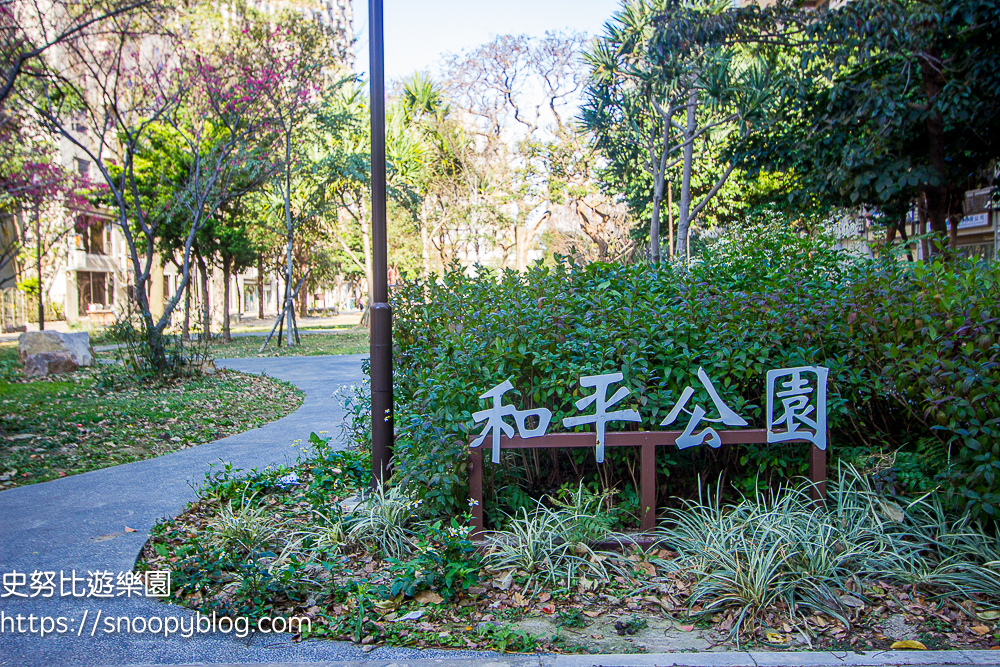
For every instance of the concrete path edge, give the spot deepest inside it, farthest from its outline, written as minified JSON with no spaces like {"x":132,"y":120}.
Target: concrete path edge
{"x":700,"y":659}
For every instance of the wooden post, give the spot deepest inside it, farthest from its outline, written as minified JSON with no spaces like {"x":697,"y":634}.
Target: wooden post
{"x":817,"y":471}
{"x":647,"y":486}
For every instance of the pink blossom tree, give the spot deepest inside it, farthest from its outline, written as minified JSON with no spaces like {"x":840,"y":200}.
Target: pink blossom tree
{"x":212,"y":93}
{"x":50,"y":193}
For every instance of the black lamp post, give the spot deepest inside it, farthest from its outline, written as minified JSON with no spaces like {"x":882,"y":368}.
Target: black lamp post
{"x":381,"y":312}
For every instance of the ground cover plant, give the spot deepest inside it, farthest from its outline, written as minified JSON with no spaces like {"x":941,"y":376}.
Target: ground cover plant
{"x":912,"y":348}
{"x":770,"y":571}
{"x":96,"y":417}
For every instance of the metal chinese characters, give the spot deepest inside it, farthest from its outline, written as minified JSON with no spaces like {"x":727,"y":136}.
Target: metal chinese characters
{"x":800,"y":409}
{"x":726,"y":416}
{"x":495,"y":423}
{"x":602,"y":416}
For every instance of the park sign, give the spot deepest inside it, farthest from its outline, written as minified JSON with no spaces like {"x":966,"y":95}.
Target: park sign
{"x":804,"y":416}
{"x":795,"y":412}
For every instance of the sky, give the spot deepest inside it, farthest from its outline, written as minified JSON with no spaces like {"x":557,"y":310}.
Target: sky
{"x":418,"y":32}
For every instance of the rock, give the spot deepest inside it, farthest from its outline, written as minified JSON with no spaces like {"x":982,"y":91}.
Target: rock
{"x":49,"y":363}
{"x":76,"y":346}
{"x":851,"y":601}
{"x":412,"y":616}
{"x":368,"y":648}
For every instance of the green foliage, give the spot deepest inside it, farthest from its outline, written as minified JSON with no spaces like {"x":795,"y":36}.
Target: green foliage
{"x":911,"y":347}
{"x":384,"y":522}
{"x":552,"y":547}
{"x":445,"y":561}
{"x":357,"y":402}
{"x":571,"y":618}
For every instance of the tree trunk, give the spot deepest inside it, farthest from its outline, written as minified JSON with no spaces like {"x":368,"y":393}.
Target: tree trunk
{"x":186,"y":327}
{"x":288,"y":286}
{"x":670,"y":219}
{"x":38,"y":267}
{"x":303,"y":303}
{"x":260,"y":286}
{"x":425,"y":250}
{"x":654,"y":224}
{"x":936,"y":195}
{"x":520,"y":248}
{"x":206,"y":312}
{"x":683,"y":220}
{"x":227,"y":263}
{"x":906,"y":240}
{"x":922,"y":220}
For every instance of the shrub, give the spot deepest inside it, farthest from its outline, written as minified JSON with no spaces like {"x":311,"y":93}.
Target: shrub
{"x":778,"y":550}
{"x":912,"y":350}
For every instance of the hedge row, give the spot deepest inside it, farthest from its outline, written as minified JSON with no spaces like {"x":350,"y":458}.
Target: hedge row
{"x":912,"y":350}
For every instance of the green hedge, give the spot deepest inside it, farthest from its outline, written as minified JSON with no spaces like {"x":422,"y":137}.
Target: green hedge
{"x":912,"y":350}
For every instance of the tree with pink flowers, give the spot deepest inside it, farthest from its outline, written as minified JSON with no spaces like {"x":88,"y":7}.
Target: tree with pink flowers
{"x":211,"y":91}
{"x":48,"y":194}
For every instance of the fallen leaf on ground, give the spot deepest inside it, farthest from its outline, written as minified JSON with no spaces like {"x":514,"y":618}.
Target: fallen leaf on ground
{"x":129,"y":530}
{"x":592,"y":614}
{"x":908,"y":644}
{"x":989,"y":615}
{"x":775,"y":637}
{"x":544,"y":597}
{"x":428,"y":597}
{"x":980,"y":629}
{"x":851,"y":601}
{"x":687,"y":628}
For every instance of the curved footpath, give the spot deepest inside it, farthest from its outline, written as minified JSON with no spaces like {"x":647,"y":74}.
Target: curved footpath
{"x":79,"y":524}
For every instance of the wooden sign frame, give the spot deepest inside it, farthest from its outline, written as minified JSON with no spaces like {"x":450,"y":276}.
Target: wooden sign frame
{"x":647,"y":441}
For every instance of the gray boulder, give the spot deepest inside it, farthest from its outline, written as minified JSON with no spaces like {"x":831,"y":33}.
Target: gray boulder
{"x":49,"y":352}
{"x":49,"y":363}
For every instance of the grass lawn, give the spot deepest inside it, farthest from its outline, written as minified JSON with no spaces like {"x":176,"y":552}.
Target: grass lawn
{"x":353,"y":340}
{"x":69,"y":424}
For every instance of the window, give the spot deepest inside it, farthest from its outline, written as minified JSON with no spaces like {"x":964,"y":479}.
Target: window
{"x":83,"y":167}
{"x":249,"y":297}
{"x":95,"y":290}
{"x":91,"y":236}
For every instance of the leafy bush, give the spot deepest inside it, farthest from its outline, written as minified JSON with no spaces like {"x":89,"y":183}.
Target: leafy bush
{"x":445,"y":560}
{"x":356,"y":400}
{"x":912,"y":350}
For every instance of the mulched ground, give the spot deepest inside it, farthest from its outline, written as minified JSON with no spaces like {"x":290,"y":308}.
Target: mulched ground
{"x":348,"y":597}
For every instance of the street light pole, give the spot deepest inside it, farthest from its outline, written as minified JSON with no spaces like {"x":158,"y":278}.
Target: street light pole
{"x":381,"y":312}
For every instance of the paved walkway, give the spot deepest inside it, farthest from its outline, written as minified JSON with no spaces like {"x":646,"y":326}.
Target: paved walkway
{"x":79,"y":524}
